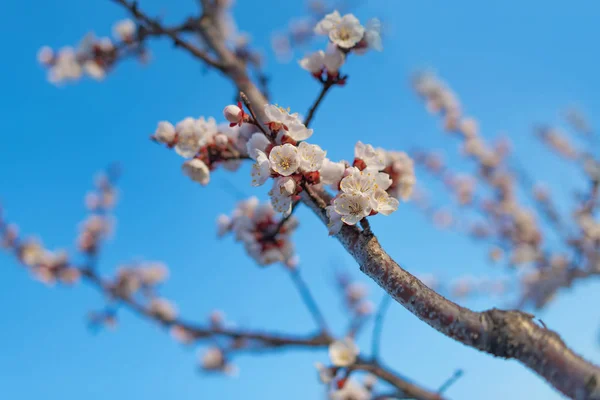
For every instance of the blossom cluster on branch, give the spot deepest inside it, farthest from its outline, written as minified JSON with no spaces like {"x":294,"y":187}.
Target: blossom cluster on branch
{"x":94,"y":56}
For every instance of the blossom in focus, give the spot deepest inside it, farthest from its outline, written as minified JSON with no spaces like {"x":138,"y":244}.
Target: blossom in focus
{"x":234,"y":114}
{"x":284,"y":159}
{"x":279,"y":118}
{"x":261,"y":169}
{"x":344,"y":31}
{"x":311,"y":157}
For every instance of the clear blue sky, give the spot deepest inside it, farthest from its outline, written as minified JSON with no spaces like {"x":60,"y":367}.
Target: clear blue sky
{"x":512,"y":62}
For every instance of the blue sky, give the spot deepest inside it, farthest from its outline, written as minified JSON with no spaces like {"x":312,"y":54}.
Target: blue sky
{"x":513,"y":63}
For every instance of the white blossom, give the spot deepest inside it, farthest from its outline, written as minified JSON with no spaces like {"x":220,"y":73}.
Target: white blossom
{"x":372,"y":37}
{"x":165,"y":132}
{"x":224,"y":225}
{"x":163,"y":309}
{"x":344,"y":31}
{"x":311,"y":157}
{"x":197,"y":171}
{"x":286,"y":185}
{"x":278,"y":116}
{"x":261,"y":169}
{"x":285,"y":159}
{"x":257,"y":142}
{"x":281,"y":202}
{"x":206,"y":129}
{"x":331,"y":172}
{"x":352,"y":390}
{"x":314,"y":62}
{"x":334,"y":224}
{"x":326,"y":374}
{"x":153,"y":273}
{"x":45,"y":55}
{"x":343,"y":353}
{"x":352,"y":207}
{"x":93,"y":69}
{"x":359,"y":182}
{"x":383,"y":203}
{"x":213,"y":359}
{"x":66,"y":66}
{"x":334,"y":59}
{"x":124,"y":30}
{"x":221,"y":140}
{"x":188,"y":138}
{"x":373,"y":158}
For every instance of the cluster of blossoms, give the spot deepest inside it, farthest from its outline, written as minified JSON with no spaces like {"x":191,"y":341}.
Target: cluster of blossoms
{"x":370,"y":186}
{"x":93,"y":56}
{"x":99,"y":224}
{"x":143,"y":278}
{"x":557,"y":141}
{"x":266,"y":239}
{"x":346,"y":35}
{"x":205,"y":144}
{"x":514,"y":224}
{"x":46,"y":266}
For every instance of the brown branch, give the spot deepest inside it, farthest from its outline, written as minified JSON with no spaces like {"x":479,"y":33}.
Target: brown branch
{"x":313,"y":109}
{"x":158,"y":28}
{"x":408,"y":389}
{"x":199,"y":332}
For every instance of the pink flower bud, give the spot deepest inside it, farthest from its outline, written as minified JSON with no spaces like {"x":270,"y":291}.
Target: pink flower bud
{"x":233,"y":114}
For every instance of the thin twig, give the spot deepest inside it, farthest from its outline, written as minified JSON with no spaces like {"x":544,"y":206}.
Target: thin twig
{"x":311,"y":112}
{"x":455,"y":376}
{"x":378,"y":325}
{"x":159,"y":28}
{"x":309,"y":300}
{"x":246,"y":102}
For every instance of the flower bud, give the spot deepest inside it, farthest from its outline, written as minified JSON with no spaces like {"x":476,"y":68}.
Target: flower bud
{"x":233,"y":114}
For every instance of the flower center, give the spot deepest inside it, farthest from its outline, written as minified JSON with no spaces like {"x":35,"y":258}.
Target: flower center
{"x":284,"y":163}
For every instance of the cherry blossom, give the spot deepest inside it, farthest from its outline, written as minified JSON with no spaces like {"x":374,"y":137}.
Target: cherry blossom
{"x":279,"y":118}
{"x":197,"y":171}
{"x":285,"y":159}
{"x":124,"y":30}
{"x":352,"y":207}
{"x":163,"y":309}
{"x":351,"y":390}
{"x":344,"y":31}
{"x":311,"y":156}
{"x":343,"y":353}
{"x":257,"y":142}
{"x":261,"y":169}
{"x":314,"y":63}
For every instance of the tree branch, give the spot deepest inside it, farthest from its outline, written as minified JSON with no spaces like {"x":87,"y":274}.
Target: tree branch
{"x":311,"y":112}
{"x":506,"y":334}
{"x":158,"y":28}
